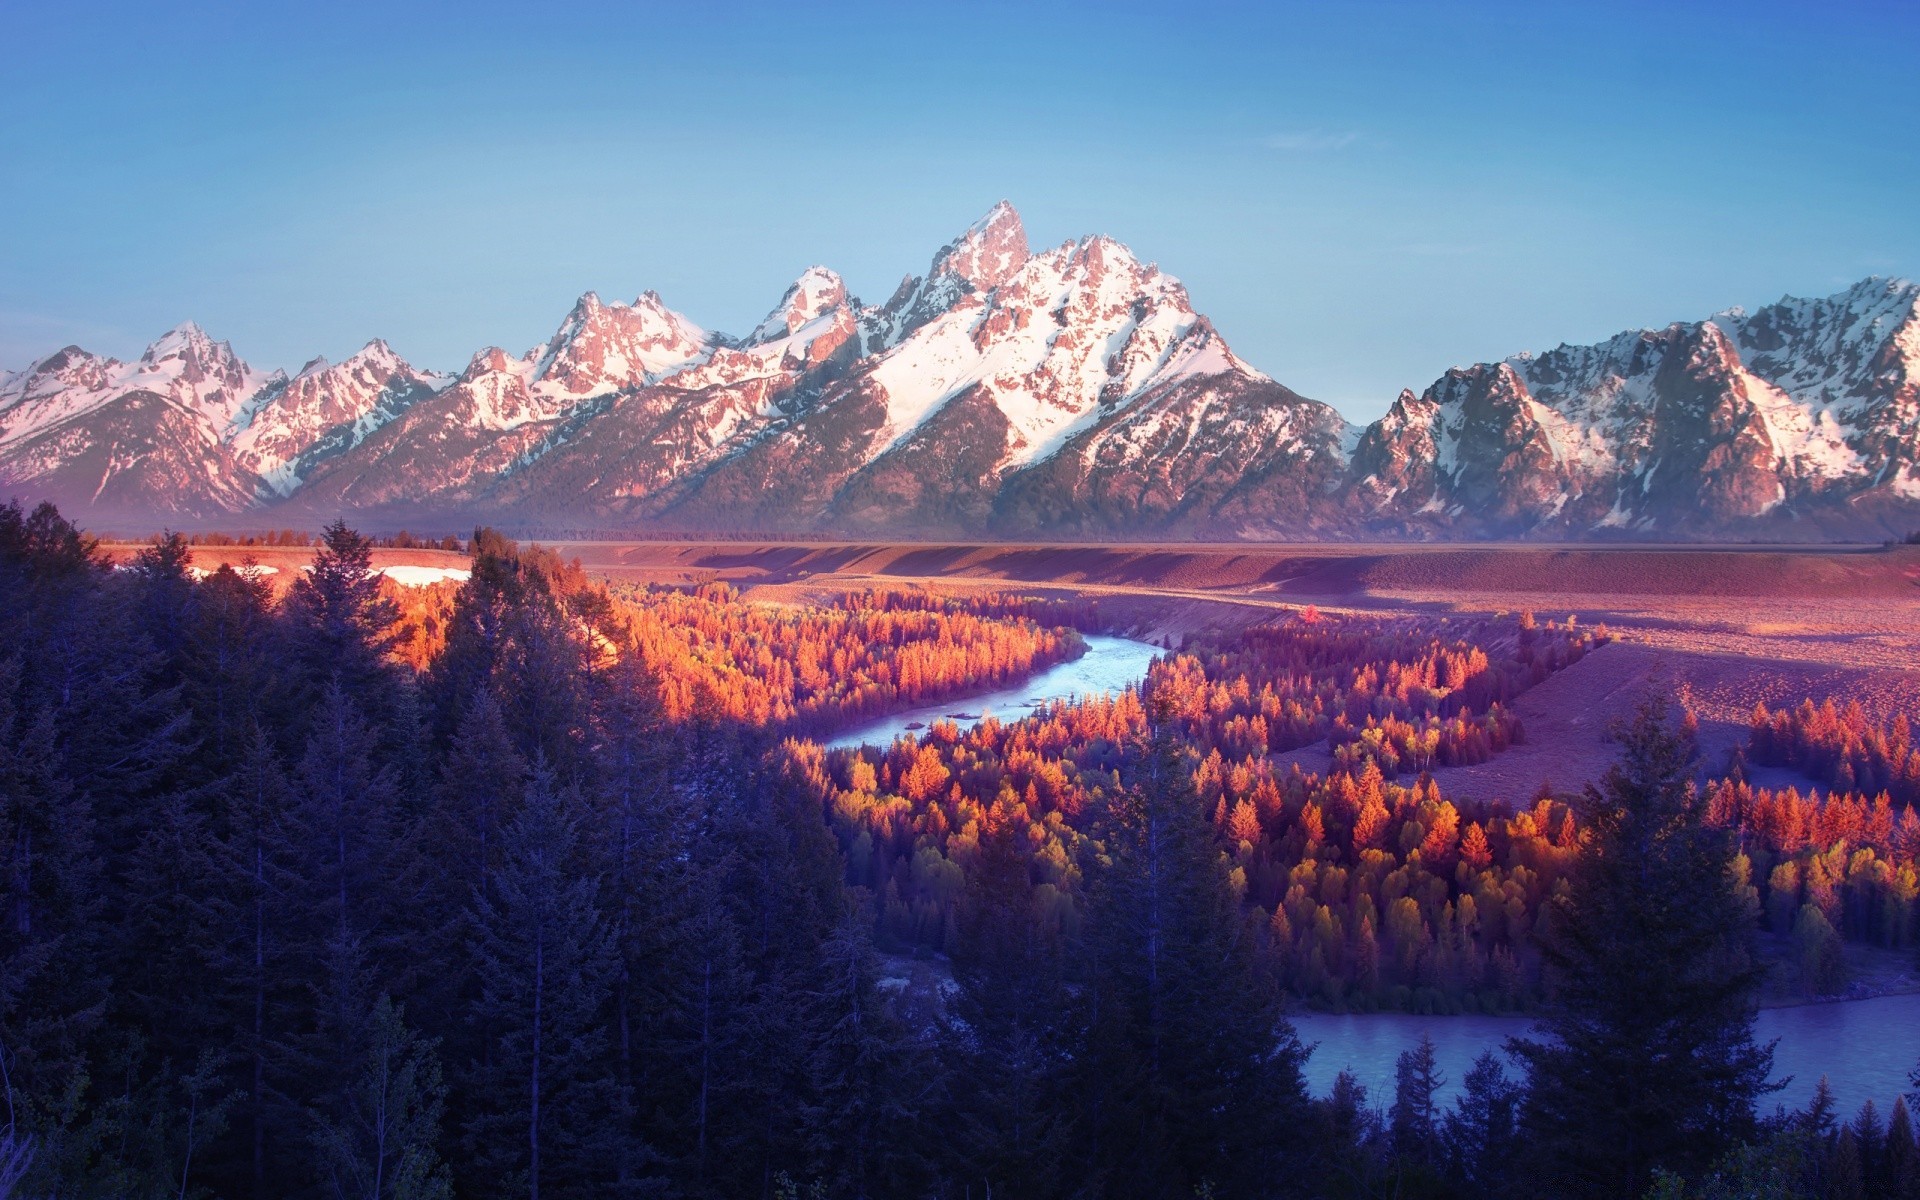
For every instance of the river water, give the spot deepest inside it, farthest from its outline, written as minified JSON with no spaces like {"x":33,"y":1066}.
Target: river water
{"x":1864,"y":1047}
{"x":1110,"y":665}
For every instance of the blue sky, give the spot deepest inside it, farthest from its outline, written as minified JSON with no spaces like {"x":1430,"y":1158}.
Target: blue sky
{"x":1360,"y":195}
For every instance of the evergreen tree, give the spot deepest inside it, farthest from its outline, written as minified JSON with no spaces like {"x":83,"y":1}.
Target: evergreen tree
{"x":339,"y":627}
{"x":546,"y":1098}
{"x":1007,"y":1049}
{"x":377,"y":1138}
{"x":1902,"y":1172}
{"x":345,"y":812}
{"x":1415,"y":1118}
{"x":867,"y":1084}
{"x":1482,"y":1132}
{"x":1650,"y":1060}
{"x":256,"y":906}
{"x":54,"y":989}
{"x":1191,"y":1073}
{"x":230,"y":679}
{"x":779,"y":860}
{"x":456,"y":851}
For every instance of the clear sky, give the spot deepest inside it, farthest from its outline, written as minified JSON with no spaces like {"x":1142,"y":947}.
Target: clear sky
{"x":1359,"y":194}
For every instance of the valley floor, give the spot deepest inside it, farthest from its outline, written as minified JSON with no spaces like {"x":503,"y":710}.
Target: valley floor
{"x":1731,"y":626}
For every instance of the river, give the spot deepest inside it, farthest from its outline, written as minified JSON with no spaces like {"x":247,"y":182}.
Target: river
{"x":1110,"y":665}
{"x":1864,"y":1047}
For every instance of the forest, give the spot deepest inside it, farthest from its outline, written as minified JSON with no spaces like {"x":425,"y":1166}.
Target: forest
{"x":327,"y":887}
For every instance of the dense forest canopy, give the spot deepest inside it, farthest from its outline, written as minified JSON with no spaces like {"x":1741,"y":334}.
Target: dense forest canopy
{"x":325,"y":886}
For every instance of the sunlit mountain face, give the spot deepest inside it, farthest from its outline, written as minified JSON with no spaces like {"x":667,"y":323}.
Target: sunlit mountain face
{"x":1072,"y":390}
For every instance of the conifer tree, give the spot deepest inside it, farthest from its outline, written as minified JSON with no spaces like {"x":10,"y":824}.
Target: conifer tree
{"x":1415,"y":1117}
{"x":345,"y":811}
{"x":376,"y":1139}
{"x":1902,"y":1170}
{"x":339,"y":627}
{"x":1191,"y":1071}
{"x":546,"y":1098}
{"x":1482,"y":1132}
{"x":867,"y":1084}
{"x":54,"y":989}
{"x":1650,"y":1060}
{"x":1008,"y":1046}
{"x":256,"y":905}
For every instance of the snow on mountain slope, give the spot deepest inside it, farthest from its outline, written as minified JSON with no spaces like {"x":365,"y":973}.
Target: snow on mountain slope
{"x":1079,"y":326}
{"x":183,"y":365}
{"x":1009,"y":359}
{"x":111,"y":436}
{"x":325,"y":410}
{"x":655,"y":440}
{"x":1802,"y":410}
{"x":1074,"y":389}
{"x":987,"y":254}
{"x":603,"y":348}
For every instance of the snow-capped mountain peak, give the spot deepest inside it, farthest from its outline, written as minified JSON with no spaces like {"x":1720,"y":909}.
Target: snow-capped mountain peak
{"x":325,"y":410}
{"x":817,"y":292}
{"x":607,"y":347}
{"x":1075,"y":388}
{"x":988,"y":253}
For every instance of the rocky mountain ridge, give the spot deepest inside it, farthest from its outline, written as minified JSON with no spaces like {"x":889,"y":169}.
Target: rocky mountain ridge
{"x":1072,"y":391}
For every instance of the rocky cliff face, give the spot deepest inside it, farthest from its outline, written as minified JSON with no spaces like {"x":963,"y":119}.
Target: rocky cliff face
{"x":1072,"y":391}
{"x":1796,"y":420}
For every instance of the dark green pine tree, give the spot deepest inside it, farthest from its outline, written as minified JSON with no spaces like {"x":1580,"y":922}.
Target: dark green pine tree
{"x":345,"y":810}
{"x":1649,"y":1059}
{"x":1414,"y":1119}
{"x":165,"y":597}
{"x":681,"y":992}
{"x":54,"y":987}
{"x":1190,"y":1076}
{"x":1007,"y":1051}
{"x":868,"y":1083}
{"x":377,"y":1137}
{"x":696,"y":1100}
{"x":338,"y":629}
{"x":546,"y":1101}
{"x":775,"y":855}
{"x":1902,"y":1174}
{"x":258,"y":907}
{"x":517,"y":631}
{"x":1482,"y":1133}
{"x":231,"y":681}
{"x":455,"y":851}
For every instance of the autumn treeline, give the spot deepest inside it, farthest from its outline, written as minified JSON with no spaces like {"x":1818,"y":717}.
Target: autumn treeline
{"x":816,"y":670}
{"x":1839,"y":747}
{"x":1365,"y":892}
{"x":1396,"y":692}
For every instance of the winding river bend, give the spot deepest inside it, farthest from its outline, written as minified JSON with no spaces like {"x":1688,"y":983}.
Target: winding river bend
{"x":1110,"y":665}
{"x":1865,"y":1047}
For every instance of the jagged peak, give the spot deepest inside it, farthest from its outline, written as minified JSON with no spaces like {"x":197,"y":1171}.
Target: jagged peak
{"x":817,"y":291}
{"x":60,"y":359}
{"x":186,"y":337}
{"x":487,"y":359}
{"x":988,"y":252}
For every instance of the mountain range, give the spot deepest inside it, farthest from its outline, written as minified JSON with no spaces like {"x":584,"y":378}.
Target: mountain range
{"x":1068,"y":392}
